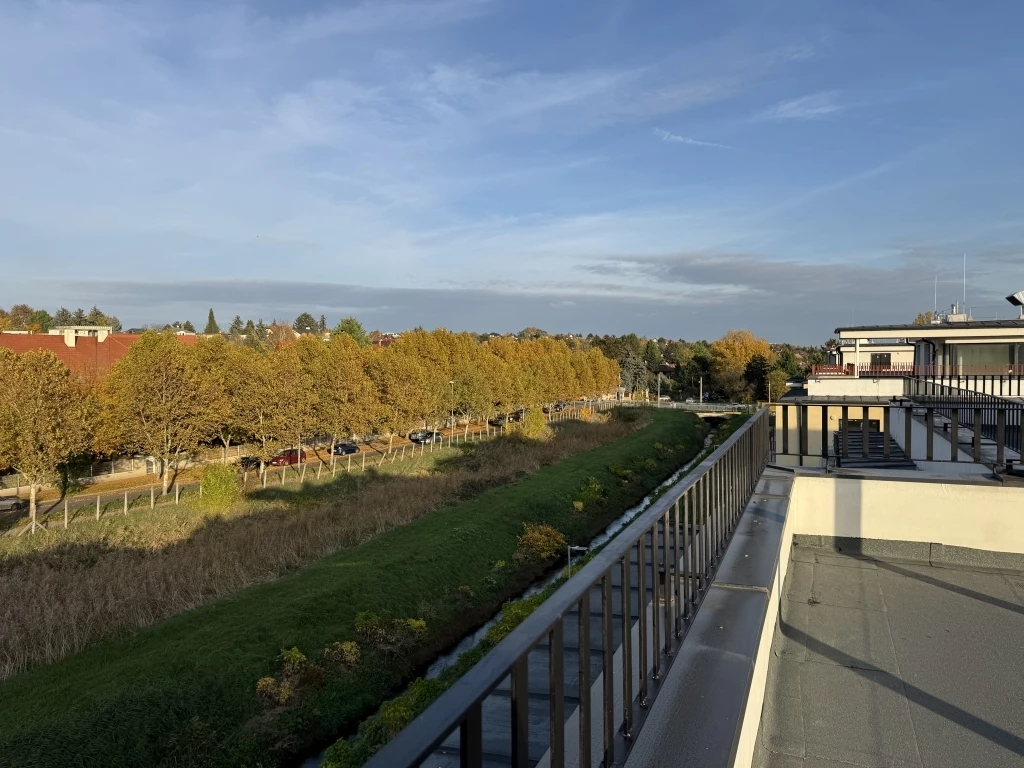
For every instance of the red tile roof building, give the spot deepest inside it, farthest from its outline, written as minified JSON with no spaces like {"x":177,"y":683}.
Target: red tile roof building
{"x":85,"y":355}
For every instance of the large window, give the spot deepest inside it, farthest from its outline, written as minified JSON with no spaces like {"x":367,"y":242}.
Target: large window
{"x":881,"y":359}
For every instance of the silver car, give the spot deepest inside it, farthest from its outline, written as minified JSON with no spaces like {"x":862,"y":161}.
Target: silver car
{"x":11,"y":504}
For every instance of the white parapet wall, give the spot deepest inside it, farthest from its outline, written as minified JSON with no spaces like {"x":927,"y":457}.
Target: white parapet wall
{"x":854,"y":386}
{"x":986,"y":517}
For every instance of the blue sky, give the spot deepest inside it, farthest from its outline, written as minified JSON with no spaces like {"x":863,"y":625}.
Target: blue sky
{"x":672,"y":169}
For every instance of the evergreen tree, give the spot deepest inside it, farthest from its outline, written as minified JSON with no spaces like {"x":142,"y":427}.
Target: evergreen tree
{"x":63,"y":317}
{"x":304,"y":323}
{"x":79,"y":317}
{"x":353,"y":328}
{"x":236,"y":326}
{"x":211,"y":324}
{"x":322,"y":325}
{"x":250,"y":329}
{"x":187,"y":326}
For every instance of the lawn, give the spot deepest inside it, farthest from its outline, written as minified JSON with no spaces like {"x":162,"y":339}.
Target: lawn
{"x":183,"y":691}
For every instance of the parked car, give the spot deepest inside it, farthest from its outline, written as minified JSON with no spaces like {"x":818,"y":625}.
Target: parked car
{"x":518,"y":415}
{"x":426,"y":436}
{"x":690,"y":401}
{"x":249,"y":462}
{"x":343,"y":449}
{"x":11,"y":504}
{"x":498,"y":421}
{"x":418,"y":434}
{"x":288,"y":457}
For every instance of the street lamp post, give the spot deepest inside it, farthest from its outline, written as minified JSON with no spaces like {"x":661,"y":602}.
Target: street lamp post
{"x":569,"y":551}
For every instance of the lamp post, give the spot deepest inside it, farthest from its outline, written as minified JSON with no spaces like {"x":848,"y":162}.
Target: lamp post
{"x":569,"y":550}
{"x":452,"y":383}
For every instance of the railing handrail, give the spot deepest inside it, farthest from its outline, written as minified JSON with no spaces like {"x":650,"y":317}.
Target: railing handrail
{"x":947,"y":370}
{"x":427,"y":731}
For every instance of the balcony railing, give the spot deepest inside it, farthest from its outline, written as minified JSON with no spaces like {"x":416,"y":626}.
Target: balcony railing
{"x":864,"y":370}
{"x":671,"y":553}
{"x":941,"y":409}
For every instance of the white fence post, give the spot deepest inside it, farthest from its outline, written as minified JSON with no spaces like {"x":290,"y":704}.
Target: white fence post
{"x":97,"y":507}
{"x":126,"y":503}
{"x":65,"y":513}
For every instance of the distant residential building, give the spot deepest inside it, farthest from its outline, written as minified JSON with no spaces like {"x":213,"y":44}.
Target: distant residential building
{"x":89,"y":350}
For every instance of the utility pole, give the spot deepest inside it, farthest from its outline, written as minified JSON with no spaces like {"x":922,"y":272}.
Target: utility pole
{"x":659,"y":390}
{"x":701,"y":389}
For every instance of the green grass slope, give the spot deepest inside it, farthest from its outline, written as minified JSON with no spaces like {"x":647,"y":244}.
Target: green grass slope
{"x":182,"y":692}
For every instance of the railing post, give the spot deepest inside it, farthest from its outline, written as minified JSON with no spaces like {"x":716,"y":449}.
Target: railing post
{"x":471,"y":743}
{"x":954,"y":433}
{"x":556,"y":678}
{"x":608,"y":672}
{"x":865,"y":432}
{"x":785,"y":429}
{"x":677,"y":566}
{"x":886,"y":428}
{"x":908,"y":430}
{"x":627,"y":646}
{"x":521,"y":711}
{"x":826,"y":433}
{"x":929,"y":415}
{"x":641,"y":609}
{"x":977,"y":435}
{"x":1001,"y":437}
{"x":655,"y":608}
{"x":583,"y":613}
{"x":844,"y":430}
{"x":667,"y":580}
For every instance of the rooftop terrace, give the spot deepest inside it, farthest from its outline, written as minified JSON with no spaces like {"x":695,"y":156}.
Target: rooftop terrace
{"x":894,"y":663}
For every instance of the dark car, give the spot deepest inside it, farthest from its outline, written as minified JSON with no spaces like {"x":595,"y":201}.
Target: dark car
{"x":498,"y":421}
{"x":289,"y":457}
{"x":343,"y":449}
{"x":249,"y":462}
{"x":426,"y":436}
{"x":518,"y":415}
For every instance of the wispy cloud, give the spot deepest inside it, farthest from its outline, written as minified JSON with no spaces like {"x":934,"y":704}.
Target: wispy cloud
{"x":675,"y":138}
{"x":813,"y":107}
{"x":369,"y":17}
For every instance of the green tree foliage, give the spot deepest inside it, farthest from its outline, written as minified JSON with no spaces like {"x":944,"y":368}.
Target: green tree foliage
{"x":237,"y":327}
{"x":211,"y":324}
{"x":305,"y":323}
{"x":353,"y":328}
{"x":158,"y":402}
{"x":45,"y":417}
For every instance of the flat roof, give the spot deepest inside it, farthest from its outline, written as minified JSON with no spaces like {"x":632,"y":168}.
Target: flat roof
{"x":936,"y":327}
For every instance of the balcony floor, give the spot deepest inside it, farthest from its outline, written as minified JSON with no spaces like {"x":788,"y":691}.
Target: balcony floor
{"x":891,"y":664}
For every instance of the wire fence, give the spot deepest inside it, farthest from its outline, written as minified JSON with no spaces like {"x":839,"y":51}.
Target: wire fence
{"x":79,"y":507}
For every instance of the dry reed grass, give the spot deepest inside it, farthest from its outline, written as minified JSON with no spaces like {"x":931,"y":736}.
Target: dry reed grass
{"x":66,"y":589}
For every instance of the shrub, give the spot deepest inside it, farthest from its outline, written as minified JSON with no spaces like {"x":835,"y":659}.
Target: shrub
{"x":390,"y":635}
{"x":346,"y":654}
{"x":397,"y":713}
{"x":466,"y":593}
{"x":266,"y":689}
{"x":533,"y":426}
{"x":418,"y":627}
{"x":627,"y":415}
{"x":219,"y":484}
{"x":578,"y":506}
{"x":539,"y":542}
{"x":499,"y":564}
{"x":285,"y":692}
{"x":293,"y":660}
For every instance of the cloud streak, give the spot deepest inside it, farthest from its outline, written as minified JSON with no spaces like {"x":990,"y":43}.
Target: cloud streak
{"x":674,"y":138}
{"x":813,"y":107}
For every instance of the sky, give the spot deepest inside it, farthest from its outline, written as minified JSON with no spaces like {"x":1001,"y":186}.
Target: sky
{"x":608,"y":166}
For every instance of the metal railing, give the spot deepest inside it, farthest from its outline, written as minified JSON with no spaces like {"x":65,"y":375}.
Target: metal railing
{"x":940,"y":410}
{"x":1004,"y":380}
{"x":671,"y":553}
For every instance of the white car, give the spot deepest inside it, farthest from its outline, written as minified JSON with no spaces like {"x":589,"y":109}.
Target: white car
{"x":11,"y":504}
{"x":690,"y":401}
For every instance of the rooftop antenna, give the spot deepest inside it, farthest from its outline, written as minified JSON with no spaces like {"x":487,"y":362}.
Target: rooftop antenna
{"x":965,"y":281}
{"x":935,"y":299}
{"x":1017,"y":300}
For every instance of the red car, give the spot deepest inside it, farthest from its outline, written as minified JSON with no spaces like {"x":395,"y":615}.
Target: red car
{"x":288,"y":457}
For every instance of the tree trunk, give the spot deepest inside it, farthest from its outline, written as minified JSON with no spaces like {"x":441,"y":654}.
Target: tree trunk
{"x":165,"y":475}
{"x":32,"y":503}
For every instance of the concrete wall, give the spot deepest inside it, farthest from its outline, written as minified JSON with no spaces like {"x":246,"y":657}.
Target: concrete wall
{"x":954,"y":514}
{"x":852,"y":386}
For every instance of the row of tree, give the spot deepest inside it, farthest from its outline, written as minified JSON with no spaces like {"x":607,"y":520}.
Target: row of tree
{"x":166,"y":397}
{"x":22,"y":317}
{"x":738,"y":367}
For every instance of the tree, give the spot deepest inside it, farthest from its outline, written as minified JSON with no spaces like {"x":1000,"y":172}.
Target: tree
{"x":353,"y":328}
{"x":211,"y":324}
{"x":530,"y":333}
{"x":158,"y":402}
{"x":634,"y":372}
{"x":79,"y":317}
{"x":321,"y":326}
{"x":44,"y":417}
{"x":217,"y":362}
{"x":924,"y":318}
{"x":777,"y":384}
{"x":257,"y":403}
{"x":652,"y":356}
{"x":304,"y":323}
{"x":237,"y":327}
{"x":788,"y":362}
{"x":730,"y":356}
{"x":20,"y":314}
{"x":756,"y":374}
{"x":63,"y":317}
{"x":39,"y":321}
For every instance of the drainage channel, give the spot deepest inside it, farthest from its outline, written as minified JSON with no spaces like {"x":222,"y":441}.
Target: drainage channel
{"x":497,"y":706}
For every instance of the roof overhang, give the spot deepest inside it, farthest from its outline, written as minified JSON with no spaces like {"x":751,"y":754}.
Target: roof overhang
{"x":991,"y":331}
